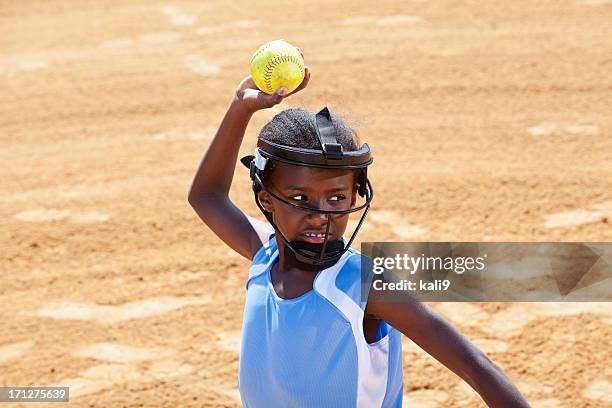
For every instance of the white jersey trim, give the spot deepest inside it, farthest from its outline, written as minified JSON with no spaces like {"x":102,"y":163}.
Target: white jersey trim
{"x":372,"y":360}
{"x":259,"y":268}
{"x":262,"y":229}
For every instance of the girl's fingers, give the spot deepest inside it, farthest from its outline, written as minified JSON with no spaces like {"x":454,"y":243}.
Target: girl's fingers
{"x":267,"y":101}
{"x":278,"y":96}
{"x":248,"y":91}
{"x":304,"y":81}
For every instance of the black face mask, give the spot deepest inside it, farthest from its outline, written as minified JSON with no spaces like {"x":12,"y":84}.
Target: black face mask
{"x":314,"y":250}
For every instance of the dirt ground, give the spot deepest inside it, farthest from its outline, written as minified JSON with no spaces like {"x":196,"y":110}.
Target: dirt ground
{"x":489,"y":121}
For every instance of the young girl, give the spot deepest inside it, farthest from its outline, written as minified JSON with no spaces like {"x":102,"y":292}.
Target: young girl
{"x":308,"y":337}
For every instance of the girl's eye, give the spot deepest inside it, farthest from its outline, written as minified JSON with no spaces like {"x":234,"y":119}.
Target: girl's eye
{"x":301,"y":197}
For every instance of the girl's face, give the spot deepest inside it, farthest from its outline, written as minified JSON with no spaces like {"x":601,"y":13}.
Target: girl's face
{"x":324,"y":189}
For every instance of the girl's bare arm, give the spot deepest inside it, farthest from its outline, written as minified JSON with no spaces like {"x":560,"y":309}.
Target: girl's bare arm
{"x":209,"y":193}
{"x":446,"y":344}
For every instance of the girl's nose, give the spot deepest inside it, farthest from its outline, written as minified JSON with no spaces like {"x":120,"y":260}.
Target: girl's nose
{"x":318,"y":219}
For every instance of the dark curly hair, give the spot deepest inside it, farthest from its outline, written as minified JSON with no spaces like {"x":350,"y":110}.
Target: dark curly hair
{"x":296,"y":127}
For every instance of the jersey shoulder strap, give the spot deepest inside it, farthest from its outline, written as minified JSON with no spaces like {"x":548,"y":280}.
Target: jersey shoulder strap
{"x":263,"y":258}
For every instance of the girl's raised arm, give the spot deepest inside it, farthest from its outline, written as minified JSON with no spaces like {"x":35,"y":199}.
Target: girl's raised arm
{"x":209,"y":193}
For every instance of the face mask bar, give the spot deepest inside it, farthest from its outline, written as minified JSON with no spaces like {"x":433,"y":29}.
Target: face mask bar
{"x":368,"y":191}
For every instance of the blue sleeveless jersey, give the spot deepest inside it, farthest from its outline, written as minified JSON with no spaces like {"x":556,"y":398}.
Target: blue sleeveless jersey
{"x":311,"y":351}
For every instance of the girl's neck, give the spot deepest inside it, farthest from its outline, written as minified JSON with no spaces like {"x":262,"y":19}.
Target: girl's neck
{"x":283,"y":266}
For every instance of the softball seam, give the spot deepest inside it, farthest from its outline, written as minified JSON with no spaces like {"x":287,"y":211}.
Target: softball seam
{"x":274,"y":63}
{"x":260,"y":50}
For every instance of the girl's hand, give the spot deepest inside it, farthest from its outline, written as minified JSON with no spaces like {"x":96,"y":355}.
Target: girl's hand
{"x":253,"y":99}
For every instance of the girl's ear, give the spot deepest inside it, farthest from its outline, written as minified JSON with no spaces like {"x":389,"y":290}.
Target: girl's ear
{"x":264,"y":200}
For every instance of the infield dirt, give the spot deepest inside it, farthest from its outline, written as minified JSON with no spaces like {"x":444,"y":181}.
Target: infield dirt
{"x":488,"y":122}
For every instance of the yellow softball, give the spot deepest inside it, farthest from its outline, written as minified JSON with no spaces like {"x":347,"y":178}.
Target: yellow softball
{"x":277,"y":64}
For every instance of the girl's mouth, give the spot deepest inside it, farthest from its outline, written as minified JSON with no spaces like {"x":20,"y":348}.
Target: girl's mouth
{"x":313,"y":238}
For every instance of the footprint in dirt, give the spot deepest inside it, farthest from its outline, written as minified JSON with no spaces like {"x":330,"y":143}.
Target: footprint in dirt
{"x":233,"y":394}
{"x":200,"y":65}
{"x":595,"y":2}
{"x":155,"y":364}
{"x":18,"y":64}
{"x":177,"y":16}
{"x":547,"y":403}
{"x":579,"y":128}
{"x":239,"y":24}
{"x":226,"y":340}
{"x":101,"y":377}
{"x":144,"y":40}
{"x":599,"y":390}
{"x":398,"y":20}
{"x":14,"y":350}
{"x":54,"y":214}
{"x":382,"y":21}
{"x":229,"y":340}
{"x":425,"y":399}
{"x":185,"y":133}
{"x":599,"y":212}
{"x":121,"y":353}
{"x":394,"y":221}
{"x":107,"y":376}
{"x":111,"y":314}
{"x":510,"y":321}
